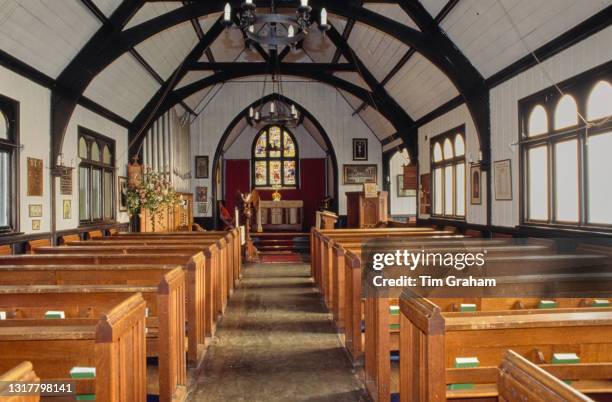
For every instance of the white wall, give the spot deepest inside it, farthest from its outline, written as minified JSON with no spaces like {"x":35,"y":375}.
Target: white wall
{"x":400,"y":206}
{"x":583,"y":56}
{"x":34,"y":130}
{"x":88,"y":119}
{"x":321,"y":100}
{"x":476,"y":214}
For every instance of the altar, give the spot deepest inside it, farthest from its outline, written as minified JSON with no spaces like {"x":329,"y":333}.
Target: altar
{"x":280,"y":215}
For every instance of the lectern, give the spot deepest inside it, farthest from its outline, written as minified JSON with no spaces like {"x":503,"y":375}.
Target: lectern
{"x":365,"y":212}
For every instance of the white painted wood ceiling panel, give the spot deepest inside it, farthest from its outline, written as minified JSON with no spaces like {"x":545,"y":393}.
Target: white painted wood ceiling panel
{"x":107,"y":6}
{"x":123,"y":87}
{"x":435,"y":6}
{"x":319,"y":47}
{"x":207,"y":21}
{"x":380,"y":126}
{"x":420,"y":87}
{"x":151,"y":10}
{"x":378,"y":51}
{"x":393,"y":11}
{"x":228,"y":45}
{"x":486,"y":35}
{"x":46,"y":34}
{"x":167,"y":50}
{"x":353,"y":78}
{"x":193,"y":76}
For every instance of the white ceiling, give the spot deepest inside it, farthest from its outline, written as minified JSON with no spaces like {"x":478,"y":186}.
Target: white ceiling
{"x":48,"y":34}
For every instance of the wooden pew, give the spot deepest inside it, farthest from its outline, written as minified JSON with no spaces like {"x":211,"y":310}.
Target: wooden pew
{"x":23,"y":372}
{"x":219,"y":261}
{"x":6,"y":250}
{"x":430,"y":341}
{"x":32,"y":244}
{"x":94,"y":234}
{"x":71,"y":238}
{"x":114,"y":345}
{"x":214,"y":284}
{"x":232,"y":238}
{"x":120,"y":270}
{"x":519,"y":379}
{"x":85,"y":297}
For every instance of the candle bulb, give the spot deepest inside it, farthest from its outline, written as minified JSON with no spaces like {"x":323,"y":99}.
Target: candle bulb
{"x":256,"y":115}
{"x":323,"y":16}
{"x":290,"y":31}
{"x":272,"y":108}
{"x":293,"y":110}
{"x":304,"y":3}
{"x":251,"y":29}
{"x":251,"y":112}
{"x":227,"y":15}
{"x":249,"y":1}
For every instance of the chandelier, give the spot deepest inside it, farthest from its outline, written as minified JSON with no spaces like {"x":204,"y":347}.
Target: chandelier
{"x":274,"y":30}
{"x":278,"y":111}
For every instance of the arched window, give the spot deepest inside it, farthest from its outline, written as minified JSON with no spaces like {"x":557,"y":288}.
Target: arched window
{"x":566,"y":165}
{"x":96,"y":177}
{"x":566,"y":113}
{"x":9,"y":157}
{"x":275,"y":158}
{"x":448,"y":167}
{"x":599,"y":104}
{"x":538,"y":122}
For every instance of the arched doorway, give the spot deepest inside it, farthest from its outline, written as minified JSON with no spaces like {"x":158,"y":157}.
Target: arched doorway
{"x":219,"y":175}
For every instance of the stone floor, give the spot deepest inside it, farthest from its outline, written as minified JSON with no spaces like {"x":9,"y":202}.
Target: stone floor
{"x":276,"y":343}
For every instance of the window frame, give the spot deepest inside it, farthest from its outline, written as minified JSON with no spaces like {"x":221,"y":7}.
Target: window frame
{"x":453,"y":162}
{"x":90,"y":137}
{"x":269,"y":158}
{"x":10,"y":108}
{"x":579,"y":87}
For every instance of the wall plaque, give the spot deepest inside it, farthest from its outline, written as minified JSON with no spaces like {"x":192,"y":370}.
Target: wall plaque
{"x":35,"y":177}
{"x":66,"y":182}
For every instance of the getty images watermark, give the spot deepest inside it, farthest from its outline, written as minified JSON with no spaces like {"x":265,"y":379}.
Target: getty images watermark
{"x":447,"y":265}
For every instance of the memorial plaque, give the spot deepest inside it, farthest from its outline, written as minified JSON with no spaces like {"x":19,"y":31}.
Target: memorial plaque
{"x":35,"y":177}
{"x":66,"y":183}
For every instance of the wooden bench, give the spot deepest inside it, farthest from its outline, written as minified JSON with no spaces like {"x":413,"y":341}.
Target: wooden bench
{"x":6,"y":250}
{"x":94,"y":234}
{"x":121,"y":269}
{"x":114,"y":345}
{"x":219,"y":261}
{"x":70,"y":238}
{"x":232,"y":238}
{"x":23,"y":372}
{"x":88,"y":299}
{"x":32,"y":244}
{"x":214,"y":286}
{"x":430,"y":340}
{"x":520,"y":380}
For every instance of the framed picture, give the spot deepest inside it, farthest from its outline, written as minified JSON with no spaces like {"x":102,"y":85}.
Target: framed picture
{"x":370,"y":190}
{"x":503,"y":180}
{"x":400,"y":188}
{"x":122,"y":193}
{"x":360,"y":149}
{"x":35,"y":210}
{"x":35,"y":224}
{"x":67,"y":209}
{"x":35,"y":177}
{"x":425,"y":197}
{"x":66,"y":182}
{"x":201,"y":194}
{"x":201,"y":167}
{"x":476,"y":185}
{"x":202,"y":207}
{"x":359,"y":174}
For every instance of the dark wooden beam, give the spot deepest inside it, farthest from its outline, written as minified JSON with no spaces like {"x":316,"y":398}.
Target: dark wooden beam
{"x":247,"y":66}
{"x":348,"y":28}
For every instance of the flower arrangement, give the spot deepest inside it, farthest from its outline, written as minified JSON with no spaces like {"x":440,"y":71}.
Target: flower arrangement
{"x":154,"y":193}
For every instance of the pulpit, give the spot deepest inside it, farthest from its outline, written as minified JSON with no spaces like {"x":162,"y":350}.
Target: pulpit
{"x":280,"y":215}
{"x":365,"y":212}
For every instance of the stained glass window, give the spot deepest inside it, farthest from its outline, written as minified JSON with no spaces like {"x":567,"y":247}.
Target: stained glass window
{"x":275,"y":158}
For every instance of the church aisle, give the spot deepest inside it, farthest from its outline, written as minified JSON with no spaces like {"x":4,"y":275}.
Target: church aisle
{"x":276,"y":343}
